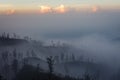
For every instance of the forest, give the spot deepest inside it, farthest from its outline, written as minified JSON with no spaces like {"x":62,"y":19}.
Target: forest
{"x":20,"y":60}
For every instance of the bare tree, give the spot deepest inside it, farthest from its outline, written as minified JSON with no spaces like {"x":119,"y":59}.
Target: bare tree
{"x":62,"y":57}
{"x":73,"y":57}
{"x":56,"y":58}
{"x":15,"y":53}
{"x":15,"y":66}
{"x":50,"y":62}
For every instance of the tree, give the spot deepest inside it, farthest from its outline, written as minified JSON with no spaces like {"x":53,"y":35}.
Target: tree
{"x":4,"y":35}
{"x":67,"y":58}
{"x":62,"y":57}
{"x":6,"y":70}
{"x":5,"y":56}
{"x":14,"y":35}
{"x":25,"y":62}
{"x":38,"y":70}
{"x":87,"y":76}
{"x":28,"y":54}
{"x":50,"y":62}
{"x":1,"y":77}
{"x":33,"y":53}
{"x":27,"y":72}
{"x":56,"y":58}
{"x":15,"y":53}
{"x":81,"y":57}
{"x":15,"y":66}
{"x":8,"y":36}
{"x":66,"y":69}
{"x":73,"y":57}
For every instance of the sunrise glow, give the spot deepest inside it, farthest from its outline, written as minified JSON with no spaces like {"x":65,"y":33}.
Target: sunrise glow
{"x":94,"y":9}
{"x":10,"y":11}
{"x":60,"y":9}
{"x":11,"y":8}
{"x":45,"y":9}
{"x":5,"y":6}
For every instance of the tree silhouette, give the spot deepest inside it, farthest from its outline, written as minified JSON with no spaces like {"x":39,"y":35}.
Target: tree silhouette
{"x":5,"y":56}
{"x":50,"y":62}
{"x":88,"y":77}
{"x":1,"y":77}
{"x":15,"y":66}
{"x":56,"y":58}
{"x":66,"y":69}
{"x":14,"y":35}
{"x":33,"y":53}
{"x":73,"y":57}
{"x":37,"y":72}
{"x":15,"y":53}
{"x":62,"y":57}
{"x":6,"y":71}
{"x":8,"y":36}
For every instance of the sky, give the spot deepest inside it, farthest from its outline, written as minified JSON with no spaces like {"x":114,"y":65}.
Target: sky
{"x":58,"y":2}
{"x":48,"y":4}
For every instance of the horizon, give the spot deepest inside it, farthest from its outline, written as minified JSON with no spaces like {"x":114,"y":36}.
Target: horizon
{"x":9,"y":7}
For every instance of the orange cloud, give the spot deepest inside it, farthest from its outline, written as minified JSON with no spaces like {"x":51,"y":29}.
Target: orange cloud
{"x":60,"y":9}
{"x":45,"y":9}
{"x":94,"y":9}
{"x":48,"y":9}
{"x":10,"y":11}
{"x":7,"y":9}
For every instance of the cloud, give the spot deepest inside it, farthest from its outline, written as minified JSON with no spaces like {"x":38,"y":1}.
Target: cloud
{"x":30,"y":9}
{"x":49,"y":9}
{"x":7,"y":9}
{"x":100,"y":48}
{"x":45,"y":9}
{"x":60,"y":9}
{"x":10,"y":11}
{"x":94,"y":8}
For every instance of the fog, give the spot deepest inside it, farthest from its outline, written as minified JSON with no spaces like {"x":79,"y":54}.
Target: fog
{"x":67,"y":25}
{"x":97,"y":33}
